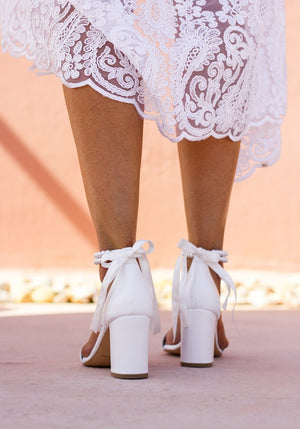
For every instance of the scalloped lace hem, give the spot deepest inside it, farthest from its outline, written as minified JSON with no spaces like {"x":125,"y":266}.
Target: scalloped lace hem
{"x":244,"y":169}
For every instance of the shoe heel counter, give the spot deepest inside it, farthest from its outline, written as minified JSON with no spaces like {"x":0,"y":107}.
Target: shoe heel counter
{"x":201,"y":290}
{"x":131,"y":295}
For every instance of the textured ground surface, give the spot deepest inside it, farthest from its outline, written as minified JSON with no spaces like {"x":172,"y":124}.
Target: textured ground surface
{"x":256,"y":384}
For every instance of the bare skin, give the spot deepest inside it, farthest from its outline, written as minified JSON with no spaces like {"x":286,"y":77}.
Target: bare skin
{"x":110,"y":158}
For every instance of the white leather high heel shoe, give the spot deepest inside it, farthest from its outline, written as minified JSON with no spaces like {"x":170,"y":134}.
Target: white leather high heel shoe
{"x":125,"y":311}
{"x":196,"y":300}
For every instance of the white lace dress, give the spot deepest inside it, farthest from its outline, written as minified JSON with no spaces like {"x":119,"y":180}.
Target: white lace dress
{"x":199,"y":68}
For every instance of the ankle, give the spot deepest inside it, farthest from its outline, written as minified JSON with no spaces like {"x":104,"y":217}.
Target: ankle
{"x":207,"y":243}
{"x":117,"y":241}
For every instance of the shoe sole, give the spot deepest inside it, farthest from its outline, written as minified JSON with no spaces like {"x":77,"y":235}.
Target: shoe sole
{"x":130,"y":376}
{"x":197,"y":365}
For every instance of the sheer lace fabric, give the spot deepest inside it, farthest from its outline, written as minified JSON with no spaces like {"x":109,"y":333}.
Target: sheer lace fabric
{"x":199,"y":68}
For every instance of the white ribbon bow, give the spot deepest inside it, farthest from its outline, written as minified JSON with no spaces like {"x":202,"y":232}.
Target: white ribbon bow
{"x":114,"y":260}
{"x":210,"y":257}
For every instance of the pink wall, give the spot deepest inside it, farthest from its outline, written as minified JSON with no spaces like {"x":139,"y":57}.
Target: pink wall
{"x":44,"y":219}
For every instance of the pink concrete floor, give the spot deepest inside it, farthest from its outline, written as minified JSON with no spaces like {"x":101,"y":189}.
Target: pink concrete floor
{"x":256,"y":384}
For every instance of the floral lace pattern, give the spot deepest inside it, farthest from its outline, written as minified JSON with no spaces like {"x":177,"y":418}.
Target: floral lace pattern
{"x":199,"y":68}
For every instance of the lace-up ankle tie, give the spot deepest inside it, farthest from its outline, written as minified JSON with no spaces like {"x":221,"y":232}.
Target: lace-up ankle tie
{"x":114,"y":260}
{"x":212,"y":258}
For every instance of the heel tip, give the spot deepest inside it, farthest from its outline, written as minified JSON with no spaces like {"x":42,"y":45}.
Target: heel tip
{"x":197,"y":365}
{"x":129,"y":376}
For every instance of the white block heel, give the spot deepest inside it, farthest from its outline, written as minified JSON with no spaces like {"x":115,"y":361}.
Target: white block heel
{"x":129,"y":337}
{"x":126,"y":310}
{"x":196,"y":300}
{"x":197,"y":340}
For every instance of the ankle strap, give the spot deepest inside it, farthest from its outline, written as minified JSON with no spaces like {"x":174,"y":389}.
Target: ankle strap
{"x":212,"y":258}
{"x":189,"y":250}
{"x":106,"y":257}
{"x":114,"y":260}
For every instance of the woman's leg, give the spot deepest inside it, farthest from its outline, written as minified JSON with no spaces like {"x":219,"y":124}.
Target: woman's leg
{"x":207,"y":172}
{"x":108,"y":136}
